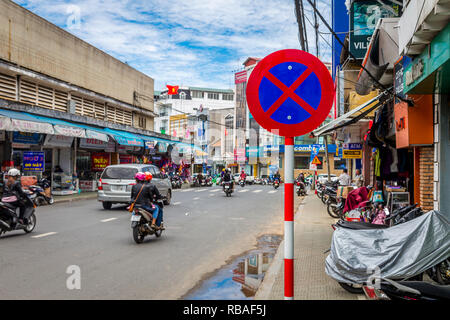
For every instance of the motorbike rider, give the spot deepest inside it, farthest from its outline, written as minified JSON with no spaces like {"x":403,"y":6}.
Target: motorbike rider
{"x":14,"y":191}
{"x":277,"y":176}
{"x":301,"y":179}
{"x":243,"y":176}
{"x":147,"y":194}
{"x":228,"y":178}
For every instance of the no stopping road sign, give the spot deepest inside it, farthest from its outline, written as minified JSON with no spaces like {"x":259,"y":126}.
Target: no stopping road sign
{"x":291,"y":91}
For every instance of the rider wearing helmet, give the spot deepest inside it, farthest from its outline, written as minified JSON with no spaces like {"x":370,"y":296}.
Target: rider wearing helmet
{"x":228,"y":178}
{"x":13,"y":188}
{"x":148,"y":193}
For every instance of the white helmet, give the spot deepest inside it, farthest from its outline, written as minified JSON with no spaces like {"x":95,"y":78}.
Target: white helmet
{"x":13,"y":172}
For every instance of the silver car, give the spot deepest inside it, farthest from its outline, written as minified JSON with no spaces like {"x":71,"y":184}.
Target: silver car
{"x":117,"y":180}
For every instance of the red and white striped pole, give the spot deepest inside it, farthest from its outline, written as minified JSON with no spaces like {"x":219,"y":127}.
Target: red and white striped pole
{"x":289,"y":219}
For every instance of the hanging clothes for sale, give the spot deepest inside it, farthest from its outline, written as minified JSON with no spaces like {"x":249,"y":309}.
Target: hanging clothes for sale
{"x":394,"y":165}
{"x":377,"y":161}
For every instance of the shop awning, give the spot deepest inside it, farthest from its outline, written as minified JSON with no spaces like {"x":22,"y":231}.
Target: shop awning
{"x":27,"y":122}
{"x":125,"y":138}
{"x":352,"y":116}
{"x":24,"y":122}
{"x":380,"y":57}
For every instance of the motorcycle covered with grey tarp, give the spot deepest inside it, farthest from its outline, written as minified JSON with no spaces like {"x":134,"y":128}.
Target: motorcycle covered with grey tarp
{"x":400,"y":252}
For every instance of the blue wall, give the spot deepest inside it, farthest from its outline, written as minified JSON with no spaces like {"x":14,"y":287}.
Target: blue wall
{"x":340,"y":23}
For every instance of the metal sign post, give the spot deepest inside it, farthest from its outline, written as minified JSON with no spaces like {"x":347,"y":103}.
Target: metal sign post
{"x":289,"y":219}
{"x":290,"y":92}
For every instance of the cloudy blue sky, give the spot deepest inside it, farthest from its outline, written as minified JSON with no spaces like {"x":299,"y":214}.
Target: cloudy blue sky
{"x":191,"y":43}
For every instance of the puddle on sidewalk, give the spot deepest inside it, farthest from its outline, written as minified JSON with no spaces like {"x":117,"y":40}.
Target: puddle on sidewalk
{"x":240,"y":279}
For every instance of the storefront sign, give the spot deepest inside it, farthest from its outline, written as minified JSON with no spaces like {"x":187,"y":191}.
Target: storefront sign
{"x":33,"y":127}
{"x":87,"y":185}
{"x":352,"y":154}
{"x":364,"y":16}
{"x":26,"y":138}
{"x":100,"y":161}
{"x":125,"y":159}
{"x":58,"y":141}
{"x":90,"y":134}
{"x":69,"y":131}
{"x":399,"y":68}
{"x":33,"y":161}
{"x":93,"y":144}
{"x":240,"y":77}
{"x":352,"y":151}
{"x":415,"y":72}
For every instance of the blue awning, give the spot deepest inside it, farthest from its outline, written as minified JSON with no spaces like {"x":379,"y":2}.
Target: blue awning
{"x":125,"y":138}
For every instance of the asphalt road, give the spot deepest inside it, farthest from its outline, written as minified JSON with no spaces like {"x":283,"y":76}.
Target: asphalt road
{"x":204,"y":230}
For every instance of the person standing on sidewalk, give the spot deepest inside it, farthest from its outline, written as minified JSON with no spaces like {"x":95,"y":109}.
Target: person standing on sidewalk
{"x":344,"y":178}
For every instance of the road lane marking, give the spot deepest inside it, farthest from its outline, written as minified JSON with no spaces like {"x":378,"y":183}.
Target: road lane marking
{"x":176,"y":203}
{"x":245,"y":190}
{"x":273,"y":191}
{"x":196,"y":198}
{"x":44,"y":235}
{"x":257,"y":191}
{"x":201,"y":190}
{"x":215,"y":190}
{"x":211,"y":195}
{"x":108,"y":220}
{"x":237,"y":218}
{"x":186,"y":190}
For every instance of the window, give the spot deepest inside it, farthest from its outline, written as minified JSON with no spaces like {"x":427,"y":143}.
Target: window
{"x":142,"y":122}
{"x":119,"y":173}
{"x":198,"y":94}
{"x":339,"y":163}
{"x":213,"y":96}
{"x":228,"y":96}
{"x":301,"y":163}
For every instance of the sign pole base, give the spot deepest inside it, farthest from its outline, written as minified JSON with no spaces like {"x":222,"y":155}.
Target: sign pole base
{"x":289,"y":219}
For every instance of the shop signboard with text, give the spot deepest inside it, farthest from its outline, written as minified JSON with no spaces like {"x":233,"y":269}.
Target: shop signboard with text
{"x":100,"y":161}
{"x":26,"y":138}
{"x":364,"y":16}
{"x":34,"y":161}
{"x":352,"y":151}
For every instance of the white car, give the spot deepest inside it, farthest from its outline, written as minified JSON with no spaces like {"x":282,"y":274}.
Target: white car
{"x":323,"y":177}
{"x":250,"y":179}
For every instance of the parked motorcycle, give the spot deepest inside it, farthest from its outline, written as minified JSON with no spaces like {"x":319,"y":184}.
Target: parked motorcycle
{"x":335,"y":207}
{"x":9,"y":217}
{"x":407,"y":290}
{"x":40,"y":194}
{"x":227,"y":188}
{"x":141,"y":223}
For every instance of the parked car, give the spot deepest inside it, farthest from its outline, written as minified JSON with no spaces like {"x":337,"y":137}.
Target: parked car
{"x":236,"y":177}
{"x":116,"y":181}
{"x":323,"y":177}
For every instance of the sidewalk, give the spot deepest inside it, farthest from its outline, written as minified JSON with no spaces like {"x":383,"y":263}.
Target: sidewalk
{"x":76,"y":197}
{"x":312,"y":237}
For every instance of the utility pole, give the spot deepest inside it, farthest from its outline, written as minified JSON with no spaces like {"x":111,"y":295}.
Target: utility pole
{"x":300,"y":22}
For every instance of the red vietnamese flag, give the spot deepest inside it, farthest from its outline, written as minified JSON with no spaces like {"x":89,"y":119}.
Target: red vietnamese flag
{"x":172,"y":90}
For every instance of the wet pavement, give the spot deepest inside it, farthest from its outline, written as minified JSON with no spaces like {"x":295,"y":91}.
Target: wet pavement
{"x":240,"y":279}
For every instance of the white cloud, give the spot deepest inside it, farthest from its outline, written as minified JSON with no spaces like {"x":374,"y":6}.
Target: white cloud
{"x":197,"y":42}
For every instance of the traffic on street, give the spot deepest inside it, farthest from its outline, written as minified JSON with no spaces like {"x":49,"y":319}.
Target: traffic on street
{"x":219,"y":155}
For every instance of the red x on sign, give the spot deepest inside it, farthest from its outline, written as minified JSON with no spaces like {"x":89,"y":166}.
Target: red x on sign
{"x":290,"y":91}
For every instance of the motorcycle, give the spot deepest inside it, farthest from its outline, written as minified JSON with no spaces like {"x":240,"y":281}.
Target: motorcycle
{"x":38,"y":195}
{"x":301,"y":190}
{"x":335,"y":206}
{"x":9,"y":217}
{"x":407,"y":290}
{"x":209,"y":182}
{"x":141,"y":223}
{"x":242,"y":182}
{"x":276,"y":183}
{"x":176,"y":182}
{"x":227,"y":188}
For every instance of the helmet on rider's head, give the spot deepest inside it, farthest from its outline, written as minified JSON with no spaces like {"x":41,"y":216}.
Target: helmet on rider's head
{"x":148,"y":176}
{"x":13,"y":172}
{"x":140,"y":176}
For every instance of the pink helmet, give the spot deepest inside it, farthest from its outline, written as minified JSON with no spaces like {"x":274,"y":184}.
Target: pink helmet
{"x":140,"y":176}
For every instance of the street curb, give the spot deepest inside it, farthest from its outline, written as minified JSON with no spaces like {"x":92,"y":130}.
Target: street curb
{"x":266,"y":286}
{"x":75,"y":199}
